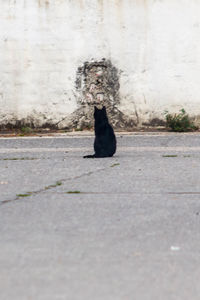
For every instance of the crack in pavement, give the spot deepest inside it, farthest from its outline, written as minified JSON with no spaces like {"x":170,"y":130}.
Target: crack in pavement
{"x":133,"y":193}
{"x":51,"y":186}
{"x":93,"y":193}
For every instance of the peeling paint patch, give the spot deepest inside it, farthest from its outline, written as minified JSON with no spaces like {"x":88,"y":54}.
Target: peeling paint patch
{"x":97,"y":84}
{"x":44,"y":3}
{"x":83,"y":118}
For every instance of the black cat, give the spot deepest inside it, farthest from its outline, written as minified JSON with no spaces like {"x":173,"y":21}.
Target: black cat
{"x":105,"y":140}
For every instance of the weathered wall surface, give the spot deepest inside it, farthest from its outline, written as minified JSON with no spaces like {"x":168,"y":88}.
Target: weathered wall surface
{"x":59,"y":57}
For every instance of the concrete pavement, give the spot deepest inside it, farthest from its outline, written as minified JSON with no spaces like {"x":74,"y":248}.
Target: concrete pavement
{"x":122,"y":228}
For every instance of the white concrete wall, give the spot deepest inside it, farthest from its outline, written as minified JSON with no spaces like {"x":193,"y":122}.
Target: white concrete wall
{"x":154,"y":43}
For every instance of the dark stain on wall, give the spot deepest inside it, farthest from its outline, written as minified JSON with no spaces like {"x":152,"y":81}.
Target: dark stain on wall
{"x":155,"y":122}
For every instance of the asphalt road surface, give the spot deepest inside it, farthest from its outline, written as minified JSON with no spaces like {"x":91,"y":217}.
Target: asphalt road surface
{"x":120,"y":228}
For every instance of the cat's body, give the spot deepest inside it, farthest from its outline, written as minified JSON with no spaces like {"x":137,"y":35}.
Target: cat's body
{"x":105,"y":140}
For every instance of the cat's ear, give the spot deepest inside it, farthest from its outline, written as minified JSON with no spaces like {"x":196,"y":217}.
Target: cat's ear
{"x":95,"y":108}
{"x":104,"y":108}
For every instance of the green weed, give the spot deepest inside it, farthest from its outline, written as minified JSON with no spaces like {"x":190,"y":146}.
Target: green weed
{"x":73,"y":192}
{"x":53,"y":185}
{"x":114,"y":165}
{"x":26,"y":130}
{"x":23,"y":195}
{"x":170,"y":155}
{"x":179,"y":122}
{"x":20,"y":158}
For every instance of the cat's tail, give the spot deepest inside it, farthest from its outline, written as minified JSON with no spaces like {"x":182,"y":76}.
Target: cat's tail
{"x":89,"y":156}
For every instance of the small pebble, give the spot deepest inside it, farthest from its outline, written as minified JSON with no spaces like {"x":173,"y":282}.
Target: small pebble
{"x":174,"y":248}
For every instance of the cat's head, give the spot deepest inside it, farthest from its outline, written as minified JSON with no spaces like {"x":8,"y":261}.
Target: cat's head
{"x":100,"y":114}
